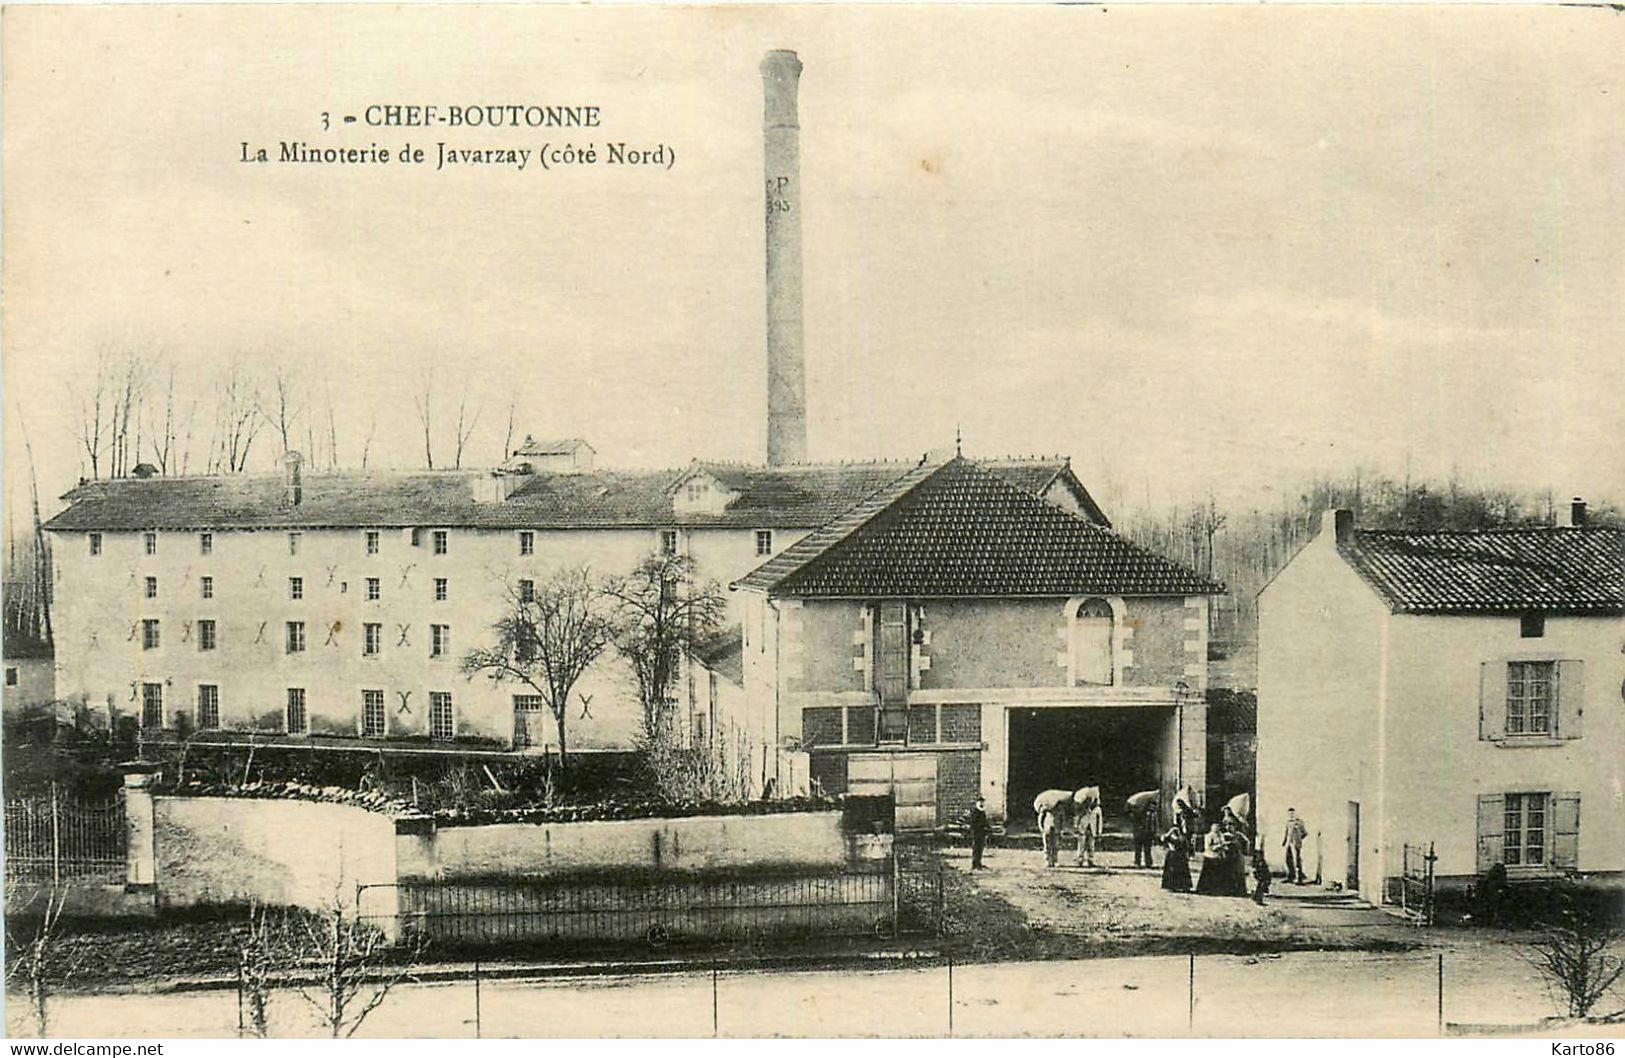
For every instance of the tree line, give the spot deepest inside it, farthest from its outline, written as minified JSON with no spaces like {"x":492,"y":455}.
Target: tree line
{"x":1244,"y":547}
{"x":137,"y":408}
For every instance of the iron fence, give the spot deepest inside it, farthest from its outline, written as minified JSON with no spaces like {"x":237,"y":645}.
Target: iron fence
{"x":654,"y":911}
{"x":1416,"y":883}
{"x":58,"y":840}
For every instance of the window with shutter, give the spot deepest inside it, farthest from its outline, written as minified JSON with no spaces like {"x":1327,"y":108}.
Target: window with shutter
{"x":1491,"y":821}
{"x":1525,"y":833}
{"x":1492,"y":711}
{"x":1565,"y":831}
{"x":1568,"y":715}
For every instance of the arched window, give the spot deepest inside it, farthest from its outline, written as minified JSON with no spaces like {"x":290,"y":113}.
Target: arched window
{"x":1092,"y":634}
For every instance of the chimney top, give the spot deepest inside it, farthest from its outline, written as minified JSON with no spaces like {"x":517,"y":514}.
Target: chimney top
{"x":1577,"y":513}
{"x":293,"y":488}
{"x":1337,"y":525}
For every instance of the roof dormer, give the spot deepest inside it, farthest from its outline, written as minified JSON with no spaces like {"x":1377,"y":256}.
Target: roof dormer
{"x":700,"y":492}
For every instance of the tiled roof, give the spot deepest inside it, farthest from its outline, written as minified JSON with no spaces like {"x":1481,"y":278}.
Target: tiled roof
{"x":561,"y":447}
{"x":1556,"y":570}
{"x":957,"y":530}
{"x":19,"y":644}
{"x":769,"y":497}
{"x":725,"y":655}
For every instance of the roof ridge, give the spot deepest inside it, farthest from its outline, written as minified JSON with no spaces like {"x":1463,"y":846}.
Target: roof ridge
{"x":827,"y":536}
{"x":1499,"y":530}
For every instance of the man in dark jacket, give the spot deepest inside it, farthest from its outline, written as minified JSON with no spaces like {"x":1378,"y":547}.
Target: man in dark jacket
{"x":978,"y":833}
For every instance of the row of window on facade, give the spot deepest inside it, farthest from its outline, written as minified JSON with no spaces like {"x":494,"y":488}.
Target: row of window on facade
{"x":914,"y":725}
{"x":439,"y":542}
{"x":206,"y":633}
{"x":296,"y":588}
{"x":296,"y":716}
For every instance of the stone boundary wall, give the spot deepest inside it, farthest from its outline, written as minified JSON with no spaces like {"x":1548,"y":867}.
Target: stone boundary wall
{"x":812,"y":840}
{"x":234,"y":850}
{"x":189,"y":851}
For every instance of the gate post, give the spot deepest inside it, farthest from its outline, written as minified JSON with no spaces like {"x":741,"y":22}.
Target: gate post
{"x":140,"y":827}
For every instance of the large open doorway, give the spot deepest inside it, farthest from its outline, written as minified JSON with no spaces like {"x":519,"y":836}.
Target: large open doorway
{"x":1120,"y":749}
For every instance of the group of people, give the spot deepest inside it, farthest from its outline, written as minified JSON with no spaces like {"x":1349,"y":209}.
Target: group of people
{"x":1226,"y":852}
{"x":1227,"y":849}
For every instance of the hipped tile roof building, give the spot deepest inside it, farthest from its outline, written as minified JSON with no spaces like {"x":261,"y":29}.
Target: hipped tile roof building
{"x":958,"y":530}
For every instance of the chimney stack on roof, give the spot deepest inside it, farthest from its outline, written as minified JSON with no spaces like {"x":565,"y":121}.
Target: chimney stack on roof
{"x":1339,"y":523}
{"x":1577,"y":513}
{"x":786,"y":361}
{"x":292,"y":481}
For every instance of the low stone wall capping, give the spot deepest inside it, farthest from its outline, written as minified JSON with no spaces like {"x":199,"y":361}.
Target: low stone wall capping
{"x":299,"y":846}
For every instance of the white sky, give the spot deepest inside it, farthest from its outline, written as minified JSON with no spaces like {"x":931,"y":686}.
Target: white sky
{"x":1195,"y":248}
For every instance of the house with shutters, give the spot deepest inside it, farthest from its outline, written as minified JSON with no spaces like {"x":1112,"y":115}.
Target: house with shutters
{"x":955,"y":635}
{"x":1458,"y":689}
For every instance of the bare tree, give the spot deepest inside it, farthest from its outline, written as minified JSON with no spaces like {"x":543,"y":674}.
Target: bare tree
{"x":129,"y":402}
{"x":465,"y":426}
{"x":162,"y":437}
{"x":186,"y":443}
{"x":1578,"y":954}
{"x":507,"y":436}
{"x":332,"y":426}
{"x":34,"y":953}
{"x":42,"y":549}
{"x":27,"y":577}
{"x":546,"y":640}
{"x":236,"y":421}
{"x":92,"y":415}
{"x":352,"y":975}
{"x":661,"y":615}
{"x":425,"y":409}
{"x":257,"y":958}
{"x":281,"y":407}
{"x":366,"y":445}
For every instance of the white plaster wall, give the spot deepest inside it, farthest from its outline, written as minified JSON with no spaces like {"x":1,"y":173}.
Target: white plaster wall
{"x":226,"y":850}
{"x":36,"y":682}
{"x":1437,"y":764}
{"x":101,"y":598}
{"x":802,"y":839}
{"x":1319,"y":656}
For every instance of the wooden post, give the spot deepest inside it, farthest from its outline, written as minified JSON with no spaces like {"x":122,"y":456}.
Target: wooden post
{"x":896,"y":885}
{"x":56,"y":839}
{"x":715,"y":1033}
{"x":1191,"y":992}
{"x":477,"y":1027}
{"x":1441,"y":993}
{"x":950,"y":995}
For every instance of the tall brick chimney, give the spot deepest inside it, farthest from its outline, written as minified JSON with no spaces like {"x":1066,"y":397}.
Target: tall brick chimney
{"x":786,"y":362}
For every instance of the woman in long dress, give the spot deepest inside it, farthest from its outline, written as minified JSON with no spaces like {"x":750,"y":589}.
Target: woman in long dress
{"x":1214,"y":880}
{"x":1176,"y":866}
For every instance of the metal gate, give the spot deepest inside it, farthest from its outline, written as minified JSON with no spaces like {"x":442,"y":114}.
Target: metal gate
{"x":56,"y":840}
{"x":1416,"y":884}
{"x":910,"y":778}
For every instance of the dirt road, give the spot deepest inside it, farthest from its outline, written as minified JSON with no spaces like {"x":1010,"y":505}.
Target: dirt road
{"x":1298,"y":993}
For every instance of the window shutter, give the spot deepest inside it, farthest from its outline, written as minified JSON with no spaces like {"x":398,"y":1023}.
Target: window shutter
{"x":1569,"y":715}
{"x":1565,"y":831}
{"x":1492,"y":700}
{"x":1491,"y":827}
